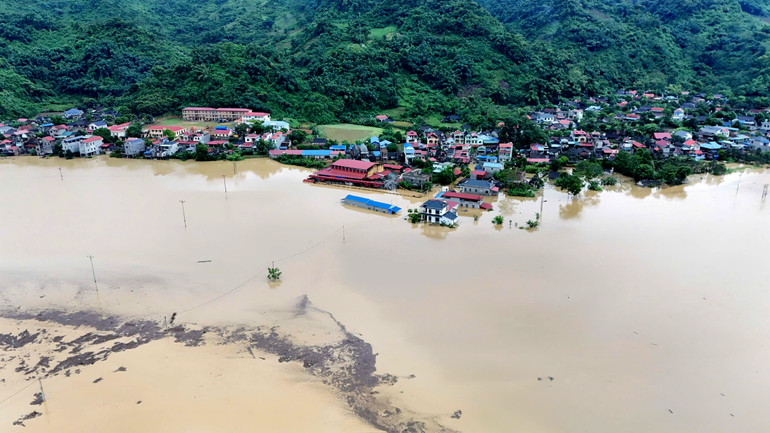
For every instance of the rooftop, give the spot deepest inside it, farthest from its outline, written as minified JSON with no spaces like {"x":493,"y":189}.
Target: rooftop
{"x":434,"y":204}
{"x":352,"y":163}
{"x":461,"y":196}
{"x":377,"y":204}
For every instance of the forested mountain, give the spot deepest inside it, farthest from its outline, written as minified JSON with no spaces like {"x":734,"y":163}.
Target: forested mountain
{"x":710,"y":45}
{"x":325,"y":60}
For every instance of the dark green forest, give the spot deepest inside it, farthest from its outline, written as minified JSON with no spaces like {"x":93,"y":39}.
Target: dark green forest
{"x":330,"y":60}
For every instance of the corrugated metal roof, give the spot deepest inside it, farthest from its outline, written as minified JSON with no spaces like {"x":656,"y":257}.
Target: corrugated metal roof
{"x":372,"y":203}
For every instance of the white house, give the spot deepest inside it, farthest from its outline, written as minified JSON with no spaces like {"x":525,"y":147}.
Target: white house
{"x":678,"y":114}
{"x":276,"y":138}
{"x":252,"y":116}
{"x":166,"y":148}
{"x":492,"y":167}
{"x":91,"y":146}
{"x":473,"y":186}
{"x":408,"y":153}
{"x":439,"y":212}
{"x":575,"y":115}
{"x":545,"y":118}
{"x":93,"y":126}
{"x":133,"y":147}
{"x":45,"y":146}
{"x":277,"y":125}
{"x":72,"y":144}
{"x":766,"y":125}
{"x":119,"y":131}
{"x":473,"y":139}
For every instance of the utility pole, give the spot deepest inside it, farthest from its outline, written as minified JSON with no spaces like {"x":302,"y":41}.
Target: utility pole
{"x":184,"y":217}
{"x":542,"y":199}
{"x":94,"y":273}
{"x":343,"y":234}
{"x":42,"y":393}
{"x":61,"y":175}
{"x":224,"y":180}
{"x":235,"y":168}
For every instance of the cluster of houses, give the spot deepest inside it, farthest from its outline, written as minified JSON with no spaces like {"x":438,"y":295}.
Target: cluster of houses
{"x":737,"y":131}
{"x":39,"y":136}
{"x":440,"y":210}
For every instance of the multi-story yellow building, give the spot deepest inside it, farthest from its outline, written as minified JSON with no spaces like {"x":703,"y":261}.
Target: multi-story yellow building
{"x":207,"y":114}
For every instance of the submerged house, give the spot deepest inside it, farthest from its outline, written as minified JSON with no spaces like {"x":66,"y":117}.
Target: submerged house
{"x":366,"y":203}
{"x":472,"y":201}
{"x":351,"y":172}
{"x":475,"y":186}
{"x":439,"y":212}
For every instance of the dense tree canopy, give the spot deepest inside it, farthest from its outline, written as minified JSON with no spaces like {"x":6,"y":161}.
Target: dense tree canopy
{"x":328,"y":60}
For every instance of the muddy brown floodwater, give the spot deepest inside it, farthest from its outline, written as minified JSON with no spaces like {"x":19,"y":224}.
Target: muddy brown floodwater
{"x":630,"y":309}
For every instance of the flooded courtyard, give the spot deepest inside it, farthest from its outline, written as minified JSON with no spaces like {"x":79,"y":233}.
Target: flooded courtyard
{"x":631,"y":309}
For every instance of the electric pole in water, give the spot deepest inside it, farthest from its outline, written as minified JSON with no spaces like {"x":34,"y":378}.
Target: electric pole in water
{"x":42,"y":393}
{"x":542,"y":198}
{"x":61,"y":175}
{"x":94,"y":273}
{"x":184,"y":217}
{"x":224,"y":180}
{"x":235,"y":169}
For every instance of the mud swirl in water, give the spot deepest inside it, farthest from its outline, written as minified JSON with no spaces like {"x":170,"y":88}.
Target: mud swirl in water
{"x":347,"y":364}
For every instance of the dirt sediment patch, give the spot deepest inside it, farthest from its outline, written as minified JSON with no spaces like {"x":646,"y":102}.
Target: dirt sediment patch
{"x":347,"y":364}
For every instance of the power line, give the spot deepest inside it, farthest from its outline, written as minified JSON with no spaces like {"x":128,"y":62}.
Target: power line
{"x":16,"y":393}
{"x":261,"y":273}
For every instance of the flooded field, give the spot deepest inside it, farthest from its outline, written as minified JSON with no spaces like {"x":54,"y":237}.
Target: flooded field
{"x":630,"y":309}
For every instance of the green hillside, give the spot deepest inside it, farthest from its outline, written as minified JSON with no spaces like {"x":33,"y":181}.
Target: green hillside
{"x":707,"y":45}
{"x":336,"y":60}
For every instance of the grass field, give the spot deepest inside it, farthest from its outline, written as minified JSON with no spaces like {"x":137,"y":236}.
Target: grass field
{"x":435,"y":122}
{"x":348,"y":132}
{"x":402,"y":124}
{"x":382,"y":32}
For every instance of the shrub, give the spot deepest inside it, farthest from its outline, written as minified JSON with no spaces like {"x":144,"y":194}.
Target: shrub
{"x":521,"y":189}
{"x":609,"y":181}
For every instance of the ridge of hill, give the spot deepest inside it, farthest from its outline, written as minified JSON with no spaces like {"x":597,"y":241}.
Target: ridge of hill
{"x":332,"y":60}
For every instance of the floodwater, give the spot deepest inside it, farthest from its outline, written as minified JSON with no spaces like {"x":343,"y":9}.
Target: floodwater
{"x":630,"y":309}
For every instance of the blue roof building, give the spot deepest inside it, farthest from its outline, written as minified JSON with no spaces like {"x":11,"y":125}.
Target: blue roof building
{"x":366,"y":203}
{"x":73,"y":112}
{"x":710,"y":146}
{"x":487,"y":158}
{"x":317,"y":153}
{"x":492,"y":167}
